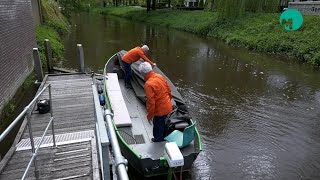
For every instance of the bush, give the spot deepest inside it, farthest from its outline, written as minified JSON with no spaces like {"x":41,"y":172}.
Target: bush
{"x":53,"y":17}
{"x":47,"y":32}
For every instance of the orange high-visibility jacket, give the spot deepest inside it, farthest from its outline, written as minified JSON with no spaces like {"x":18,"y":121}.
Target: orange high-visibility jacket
{"x":134,"y":55}
{"x":158,"y":95}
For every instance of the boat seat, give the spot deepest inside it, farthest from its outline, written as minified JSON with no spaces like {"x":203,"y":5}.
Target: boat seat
{"x":121,"y":114}
{"x":184,"y":138}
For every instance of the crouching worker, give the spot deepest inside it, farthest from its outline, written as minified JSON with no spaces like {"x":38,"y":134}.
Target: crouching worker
{"x":158,"y":100}
{"x":132,"y":56}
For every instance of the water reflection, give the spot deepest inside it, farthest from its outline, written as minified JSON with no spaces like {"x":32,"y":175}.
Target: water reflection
{"x":258,"y":114}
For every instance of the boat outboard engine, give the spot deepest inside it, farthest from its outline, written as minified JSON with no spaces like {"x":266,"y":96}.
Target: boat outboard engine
{"x":43,"y":106}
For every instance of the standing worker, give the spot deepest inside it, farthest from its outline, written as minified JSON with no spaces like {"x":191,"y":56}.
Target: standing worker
{"x":132,"y":56}
{"x":158,"y":103}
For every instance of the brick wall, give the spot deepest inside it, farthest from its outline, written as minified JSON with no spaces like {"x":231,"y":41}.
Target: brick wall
{"x":17,"y":38}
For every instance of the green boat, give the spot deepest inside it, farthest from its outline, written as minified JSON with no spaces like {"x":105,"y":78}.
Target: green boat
{"x":134,"y":131}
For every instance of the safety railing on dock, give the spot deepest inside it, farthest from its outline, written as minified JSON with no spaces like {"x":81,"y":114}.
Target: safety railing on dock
{"x":102,"y":137}
{"x":104,"y":128}
{"x":27,"y":112}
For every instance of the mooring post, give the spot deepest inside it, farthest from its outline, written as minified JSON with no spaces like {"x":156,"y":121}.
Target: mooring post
{"x":80,"y":57}
{"x":48,"y":51}
{"x":37,"y":64}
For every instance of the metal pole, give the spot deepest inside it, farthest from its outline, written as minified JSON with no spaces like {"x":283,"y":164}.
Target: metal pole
{"x":48,"y":54}
{"x":25,"y":110}
{"x":102,"y":136}
{"x":51,"y":112}
{"x":9,"y":128}
{"x":36,"y":171}
{"x":37,"y":64}
{"x":120,"y":162}
{"x":34,"y":155}
{"x":80,"y":57}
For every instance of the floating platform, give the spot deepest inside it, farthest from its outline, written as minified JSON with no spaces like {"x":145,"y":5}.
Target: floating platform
{"x":75,"y":156}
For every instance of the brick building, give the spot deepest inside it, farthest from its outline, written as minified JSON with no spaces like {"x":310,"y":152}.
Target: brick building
{"x":17,"y":38}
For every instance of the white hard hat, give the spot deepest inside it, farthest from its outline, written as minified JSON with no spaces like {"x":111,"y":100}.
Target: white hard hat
{"x":145,"y":68}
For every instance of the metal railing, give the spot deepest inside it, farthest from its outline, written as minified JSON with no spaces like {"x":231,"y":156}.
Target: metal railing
{"x":27,"y":111}
{"x":106,"y":135}
{"x":120,"y":161}
{"x":102,"y":137}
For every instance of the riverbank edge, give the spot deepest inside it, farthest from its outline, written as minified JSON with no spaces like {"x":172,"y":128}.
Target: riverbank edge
{"x":257,"y":32}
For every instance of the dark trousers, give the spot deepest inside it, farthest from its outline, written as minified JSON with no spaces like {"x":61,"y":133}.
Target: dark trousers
{"x":127,"y":72}
{"x":159,"y":127}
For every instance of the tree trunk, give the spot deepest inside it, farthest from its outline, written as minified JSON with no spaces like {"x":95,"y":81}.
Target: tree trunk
{"x":148,"y":5}
{"x":153,"y":4}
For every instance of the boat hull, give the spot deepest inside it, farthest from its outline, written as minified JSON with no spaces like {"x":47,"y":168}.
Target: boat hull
{"x":147,"y":157}
{"x":153,"y":167}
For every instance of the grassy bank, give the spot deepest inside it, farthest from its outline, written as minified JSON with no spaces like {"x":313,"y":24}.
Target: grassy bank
{"x":47,"y":32}
{"x":260,"y":32}
{"x":54,"y":26}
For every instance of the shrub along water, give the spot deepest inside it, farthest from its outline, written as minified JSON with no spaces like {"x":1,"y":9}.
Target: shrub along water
{"x":232,"y":8}
{"x":256,"y":31}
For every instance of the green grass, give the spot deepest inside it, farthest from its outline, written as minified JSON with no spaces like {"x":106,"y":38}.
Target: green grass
{"x":53,"y":17}
{"x":54,"y":26}
{"x":259,"y":32}
{"x":47,"y":32}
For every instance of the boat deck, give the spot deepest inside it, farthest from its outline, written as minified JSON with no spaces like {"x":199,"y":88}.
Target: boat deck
{"x":138,"y":114}
{"x":139,"y":135}
{"x":74,"y":124}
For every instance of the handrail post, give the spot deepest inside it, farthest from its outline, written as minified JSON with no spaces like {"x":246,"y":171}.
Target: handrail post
{"x":37,"y":64}
{"x":36,"y":171}
{"x":80,"y":57}
{"x":48,"y":51}
{"x":51,"y":112}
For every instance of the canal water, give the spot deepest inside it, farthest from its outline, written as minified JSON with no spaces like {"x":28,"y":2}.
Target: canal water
{"x":258,"y":114}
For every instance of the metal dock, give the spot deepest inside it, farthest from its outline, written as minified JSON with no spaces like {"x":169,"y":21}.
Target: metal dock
{"x":71,"y":141}
{"x":75,"y":156}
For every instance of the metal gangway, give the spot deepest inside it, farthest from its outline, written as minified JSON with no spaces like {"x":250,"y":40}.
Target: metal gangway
{"x":80,"y":139}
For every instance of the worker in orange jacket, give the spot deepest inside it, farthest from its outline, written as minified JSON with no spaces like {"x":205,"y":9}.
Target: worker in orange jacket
{"x":159,"y":97}
{"x":132,"y":56}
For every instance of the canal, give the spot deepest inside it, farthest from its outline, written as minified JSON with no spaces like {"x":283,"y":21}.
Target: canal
{"x":258,"y":114}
